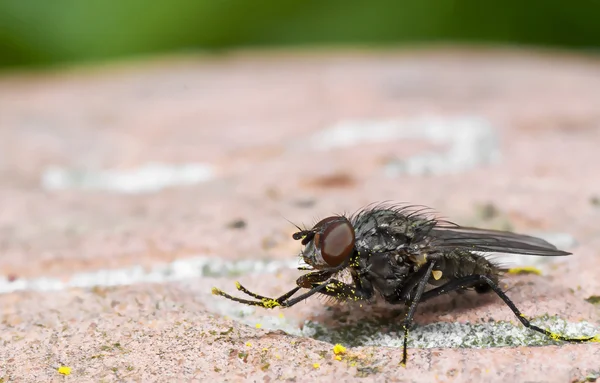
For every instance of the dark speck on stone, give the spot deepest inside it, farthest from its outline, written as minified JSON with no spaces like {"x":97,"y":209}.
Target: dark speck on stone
{"x":332,"y":181}
{"x":237,"y":224}
{"x":487,"y":211}
{"x":305,"y":203}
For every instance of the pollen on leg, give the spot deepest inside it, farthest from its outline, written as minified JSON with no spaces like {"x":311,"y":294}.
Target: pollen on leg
{"x":270,"y":303}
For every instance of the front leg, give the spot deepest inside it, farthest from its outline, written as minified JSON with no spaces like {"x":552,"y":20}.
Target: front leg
{"x":309,"y":281}
{"x":265,"y":302}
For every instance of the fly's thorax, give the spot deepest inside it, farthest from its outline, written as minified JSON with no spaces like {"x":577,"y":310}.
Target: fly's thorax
{"x":396,"y":225}
{"x":387,"y":272}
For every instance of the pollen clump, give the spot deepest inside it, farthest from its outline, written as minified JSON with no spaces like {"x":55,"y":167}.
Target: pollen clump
{"x":437,"y":274}
{"x":270,"y":303}
{"x":525,"y":270}
{"x":64,"y":370}
{"x":338,"y":349}
{"x":316,"y":365}
{"x":258,"y":325}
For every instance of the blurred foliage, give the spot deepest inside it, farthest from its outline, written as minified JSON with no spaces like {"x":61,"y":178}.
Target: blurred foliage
{"x":44,"y":32}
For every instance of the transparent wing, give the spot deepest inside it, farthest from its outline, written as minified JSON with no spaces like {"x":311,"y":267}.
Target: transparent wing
{"x":474,"y":239}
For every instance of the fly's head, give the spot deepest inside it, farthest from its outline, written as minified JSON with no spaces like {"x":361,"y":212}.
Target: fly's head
{"x":328,"y":244}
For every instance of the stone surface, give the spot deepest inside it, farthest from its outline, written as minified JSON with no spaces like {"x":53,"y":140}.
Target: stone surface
{"x":259,"y":126}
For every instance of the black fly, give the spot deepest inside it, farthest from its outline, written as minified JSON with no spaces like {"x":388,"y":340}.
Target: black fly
{"x":405,"y":255}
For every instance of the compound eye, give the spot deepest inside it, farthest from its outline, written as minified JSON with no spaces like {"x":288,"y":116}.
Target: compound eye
{"x":335,"y":240}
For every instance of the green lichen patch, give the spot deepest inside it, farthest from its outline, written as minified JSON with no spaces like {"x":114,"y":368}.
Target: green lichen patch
{"x":593,"y":299}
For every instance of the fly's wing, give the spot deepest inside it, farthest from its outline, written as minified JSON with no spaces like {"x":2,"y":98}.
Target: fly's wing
{"x":493,"y":241}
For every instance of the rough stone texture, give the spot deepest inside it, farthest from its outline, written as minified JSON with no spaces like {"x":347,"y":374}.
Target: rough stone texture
{"x":251,"y":117}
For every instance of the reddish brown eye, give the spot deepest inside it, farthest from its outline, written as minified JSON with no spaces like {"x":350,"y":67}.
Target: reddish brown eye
{"x":320,"y":227}
{"x":336,"y":241}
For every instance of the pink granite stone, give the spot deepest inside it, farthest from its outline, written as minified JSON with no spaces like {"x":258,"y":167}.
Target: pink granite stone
{"x":251,"y":117}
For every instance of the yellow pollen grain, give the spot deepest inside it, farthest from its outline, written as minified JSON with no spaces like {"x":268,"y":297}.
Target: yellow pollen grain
{"x":338,"y":349}
{"x":248,"y":344}
{"x":64,"y":370}
{"x":316,"y":365}
{"x":258,"y":325}
{"x":437,"y":274}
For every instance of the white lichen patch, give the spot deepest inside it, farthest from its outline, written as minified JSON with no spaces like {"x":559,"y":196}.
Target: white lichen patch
{"x":388,"y":332}
{"x":183,"y":269}
{"x":468,"y":142}
{"x":450,"y":335}
{"x":149,"y":178}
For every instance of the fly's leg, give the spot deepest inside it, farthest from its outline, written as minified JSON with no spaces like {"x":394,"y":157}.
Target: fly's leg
{"x":346,"y":292}
{"x":261,"y":301}
{"x":413,"y":308}
{"x":408,"y":287}
{"x":260,"y":297}
{"x":307,"y":281}
{"x":269,"y":303}
{"x":483,"y":280}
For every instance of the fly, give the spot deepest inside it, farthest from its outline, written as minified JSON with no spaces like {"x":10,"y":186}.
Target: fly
{"x":405,"y":255}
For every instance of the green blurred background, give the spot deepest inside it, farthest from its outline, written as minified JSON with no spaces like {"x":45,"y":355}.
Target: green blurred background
{"x":50,"y":32}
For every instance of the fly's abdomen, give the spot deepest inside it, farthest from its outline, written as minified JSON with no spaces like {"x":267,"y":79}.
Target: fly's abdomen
{"x":460,"y":263}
